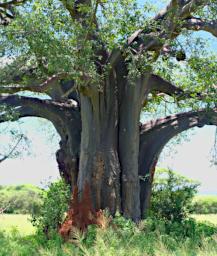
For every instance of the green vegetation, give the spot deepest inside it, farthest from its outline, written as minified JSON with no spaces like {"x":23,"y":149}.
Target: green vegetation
{"x":19,"y":222}
{"x":22,"y":199}
{"x":55,"y":203}
{"x":121,"y":238}
{"x":212,"y":218}
{"x":205,"y":204}
{"x":101,"y":63}
{"x":172,"y":196}
{"x":168,"y":231}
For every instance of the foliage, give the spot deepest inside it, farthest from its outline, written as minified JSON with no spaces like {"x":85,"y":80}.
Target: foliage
{"x":56,"y":48}
{"x":20,"y":199}
{"x":55,"y":203}
{"x":172,"y":196}
{"x":205,"y":205}
{"x":10,"y":114}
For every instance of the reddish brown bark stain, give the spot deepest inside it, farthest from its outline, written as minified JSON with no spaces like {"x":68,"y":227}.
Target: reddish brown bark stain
{"x":81,"y":214}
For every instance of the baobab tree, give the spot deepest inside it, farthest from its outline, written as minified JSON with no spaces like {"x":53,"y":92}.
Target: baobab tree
{"x":100,"y":64}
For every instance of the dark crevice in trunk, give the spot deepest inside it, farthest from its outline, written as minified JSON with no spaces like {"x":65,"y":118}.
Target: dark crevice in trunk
{"x":69,"y":128}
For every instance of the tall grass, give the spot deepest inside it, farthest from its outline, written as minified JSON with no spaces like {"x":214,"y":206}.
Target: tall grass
{"x":122,"y":238}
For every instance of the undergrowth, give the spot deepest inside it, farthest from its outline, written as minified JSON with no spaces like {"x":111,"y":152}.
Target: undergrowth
{"x":122,"y":237}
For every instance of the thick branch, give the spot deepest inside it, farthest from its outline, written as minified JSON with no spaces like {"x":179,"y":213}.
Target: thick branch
{"x":199,"y":24}
{"x":28,"y":106}
{"x":158,"y":84}
{"x":171,"y":21}
{"x":43,"y":87}
{"x":155,"y":135}
{"x":65,"y":118}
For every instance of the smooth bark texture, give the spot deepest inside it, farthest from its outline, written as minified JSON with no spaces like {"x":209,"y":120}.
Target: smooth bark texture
{"x":130,"y":106}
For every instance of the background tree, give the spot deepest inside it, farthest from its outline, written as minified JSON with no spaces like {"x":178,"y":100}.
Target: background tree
{"x":99,"y":64}
{"x":18,"y":140}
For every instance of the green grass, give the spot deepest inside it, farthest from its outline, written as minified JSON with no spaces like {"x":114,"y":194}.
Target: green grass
{"x":125,"y":240}
{"x":205,"y":204}
{"x":23,"y":225}
{"x":205,"y":197}
{"x":212,"y":218}
{"x":20,"y":222}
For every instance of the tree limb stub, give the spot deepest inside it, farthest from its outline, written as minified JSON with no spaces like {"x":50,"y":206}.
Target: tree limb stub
{"x":158,"y":84}
{"x":197,"y":24}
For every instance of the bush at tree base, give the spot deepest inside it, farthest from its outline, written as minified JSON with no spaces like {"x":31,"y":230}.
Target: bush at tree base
{"x":172,"y":196}
{"x":171,"y":201}
{"x":55,"y":203}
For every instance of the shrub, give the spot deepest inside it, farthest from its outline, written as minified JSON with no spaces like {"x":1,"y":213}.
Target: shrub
{"x":172,"y":196}
{"x":55,"y":203}
{"x":205,"y":205}
{"x":23,"y":199}
{"x":188,"y":228}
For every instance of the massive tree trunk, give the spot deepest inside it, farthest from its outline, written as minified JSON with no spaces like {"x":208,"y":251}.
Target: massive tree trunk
{"x":103,"y":144}
{"x":110,"y":143}
{"x":99,"y":161}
